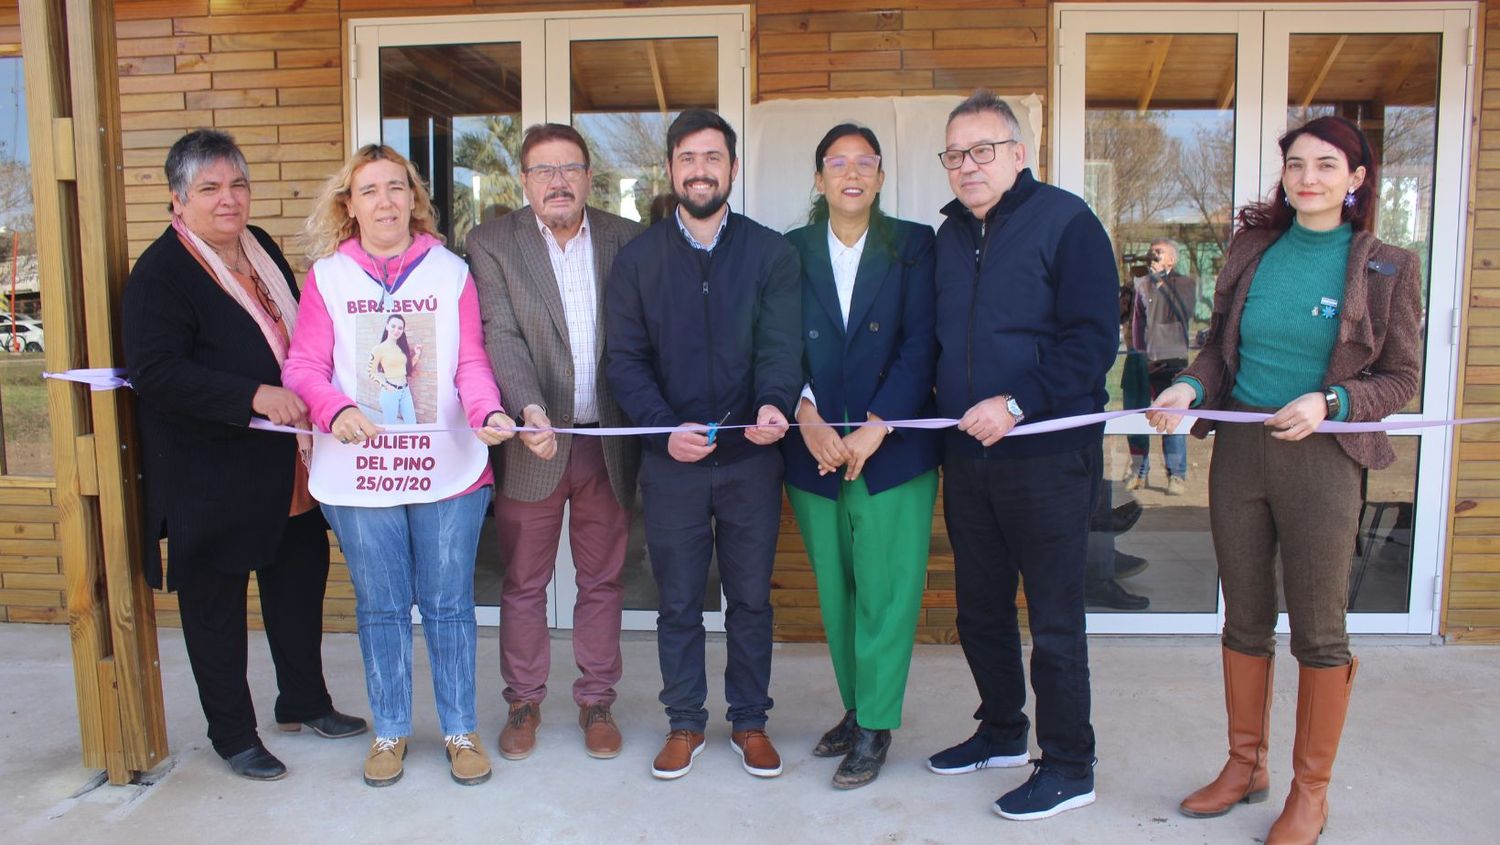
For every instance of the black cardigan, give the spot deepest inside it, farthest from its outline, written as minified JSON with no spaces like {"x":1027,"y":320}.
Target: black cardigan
{"x":195,"y":359}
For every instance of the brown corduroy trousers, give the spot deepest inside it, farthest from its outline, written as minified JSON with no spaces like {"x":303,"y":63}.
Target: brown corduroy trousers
{"x":1299,"y":498}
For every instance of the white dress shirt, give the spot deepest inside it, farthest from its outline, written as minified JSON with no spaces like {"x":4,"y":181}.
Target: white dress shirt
{"x":845,"y":260}
{"x":573,"y":267}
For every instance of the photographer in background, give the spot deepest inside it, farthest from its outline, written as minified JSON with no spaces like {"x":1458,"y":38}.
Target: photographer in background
{"x":1164,"y":300}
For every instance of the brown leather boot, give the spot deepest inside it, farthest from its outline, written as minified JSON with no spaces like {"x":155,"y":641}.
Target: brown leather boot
{"x":1247,"y":697}
{"x":518,"y":737}
{"x":1322,"y":703}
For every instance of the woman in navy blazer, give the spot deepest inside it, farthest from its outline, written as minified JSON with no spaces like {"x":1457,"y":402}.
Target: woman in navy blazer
{"x":864,"y":495}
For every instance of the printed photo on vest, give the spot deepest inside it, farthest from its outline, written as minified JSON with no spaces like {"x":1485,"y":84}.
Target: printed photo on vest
{"x":398,"y":390}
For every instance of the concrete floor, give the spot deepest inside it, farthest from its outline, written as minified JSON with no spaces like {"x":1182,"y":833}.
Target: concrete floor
{"x":1418,"y":764}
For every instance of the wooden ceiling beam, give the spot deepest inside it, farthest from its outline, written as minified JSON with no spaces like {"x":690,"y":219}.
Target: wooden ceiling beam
{"x":1226,"y":91}
{"x":1392,"y":85}
{"x":1322,"y":74}
{"x":1158,"y":61}
{"x":661,"y":91}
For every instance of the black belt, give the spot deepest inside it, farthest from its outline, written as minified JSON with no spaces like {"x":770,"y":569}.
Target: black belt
{"x":584,"y":425}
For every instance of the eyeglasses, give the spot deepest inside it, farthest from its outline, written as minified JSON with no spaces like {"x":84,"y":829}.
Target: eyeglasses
{"x":981,"y":154}
{"x":263,"y":293}
{"x":543,"y":173}
{"x":864,"y":165}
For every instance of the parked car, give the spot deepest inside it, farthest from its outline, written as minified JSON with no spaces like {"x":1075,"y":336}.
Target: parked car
{"x":21,"y":335}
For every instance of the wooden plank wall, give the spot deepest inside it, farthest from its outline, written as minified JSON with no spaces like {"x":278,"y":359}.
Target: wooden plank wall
{"x":1471,"y":611}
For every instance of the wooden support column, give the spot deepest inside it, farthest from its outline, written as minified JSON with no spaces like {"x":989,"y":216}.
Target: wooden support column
{"x":69,"y":55}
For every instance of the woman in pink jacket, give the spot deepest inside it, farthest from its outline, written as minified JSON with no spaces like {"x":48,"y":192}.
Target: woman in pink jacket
{"x":407,"y":501}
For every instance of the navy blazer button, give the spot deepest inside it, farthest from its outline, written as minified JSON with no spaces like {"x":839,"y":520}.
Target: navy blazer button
{"x":813,"y":334}
{"x":874,"y":327}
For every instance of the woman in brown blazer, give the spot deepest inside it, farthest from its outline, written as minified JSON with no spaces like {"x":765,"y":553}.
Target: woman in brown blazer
{"x":1314,"y":318}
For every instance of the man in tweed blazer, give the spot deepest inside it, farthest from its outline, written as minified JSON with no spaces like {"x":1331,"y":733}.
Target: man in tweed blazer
{"x":540,"y":273}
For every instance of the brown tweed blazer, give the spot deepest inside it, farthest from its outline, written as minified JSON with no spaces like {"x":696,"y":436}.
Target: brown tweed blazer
{"x":1378,"y":355}
{"x":526,"y":336}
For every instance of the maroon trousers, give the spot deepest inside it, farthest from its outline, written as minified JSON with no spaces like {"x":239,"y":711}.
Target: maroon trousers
{"x":529,"y":534}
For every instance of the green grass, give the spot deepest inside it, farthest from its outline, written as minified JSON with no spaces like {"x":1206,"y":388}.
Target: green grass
{"x":23,"y":397}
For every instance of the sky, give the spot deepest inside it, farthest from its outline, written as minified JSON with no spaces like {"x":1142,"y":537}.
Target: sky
{"x":13,"y":109}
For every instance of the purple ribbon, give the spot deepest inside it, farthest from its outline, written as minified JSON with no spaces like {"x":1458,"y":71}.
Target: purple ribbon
{"x":104,"y":378}
{"x":99,"y":378}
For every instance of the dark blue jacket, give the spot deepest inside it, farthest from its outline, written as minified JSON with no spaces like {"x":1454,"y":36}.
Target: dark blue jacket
{"x":691,"y":336}
{"x":883,"y":364}
{"x":1028,"y":304}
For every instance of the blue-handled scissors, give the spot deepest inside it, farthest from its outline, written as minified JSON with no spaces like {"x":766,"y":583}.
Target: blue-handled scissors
{"x":713,"y":428}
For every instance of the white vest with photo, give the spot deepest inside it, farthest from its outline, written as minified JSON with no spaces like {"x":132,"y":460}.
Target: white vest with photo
{"x":405,"y":464}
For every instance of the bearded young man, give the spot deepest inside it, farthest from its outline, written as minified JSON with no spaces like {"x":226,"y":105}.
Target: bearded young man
{"x":703,"y":315}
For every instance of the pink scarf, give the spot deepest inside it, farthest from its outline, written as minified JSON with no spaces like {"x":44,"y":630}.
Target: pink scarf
{"x":270,"y":275}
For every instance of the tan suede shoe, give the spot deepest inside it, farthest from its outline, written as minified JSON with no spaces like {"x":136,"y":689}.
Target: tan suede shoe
{"x":518,"y":737}
{"x":384,"y":765}
{"x":601,"y":736}
{"x":467,"y":758}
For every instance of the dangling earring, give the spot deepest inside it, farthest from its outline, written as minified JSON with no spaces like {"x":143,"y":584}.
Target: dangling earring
{"x":1349,"y":199}
{"x":1286,"y":201}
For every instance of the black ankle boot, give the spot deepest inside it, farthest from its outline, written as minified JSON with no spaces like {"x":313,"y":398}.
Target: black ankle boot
{"x":256,"y":763}
{"x":864,"y":760}
{"x":839,"y":739}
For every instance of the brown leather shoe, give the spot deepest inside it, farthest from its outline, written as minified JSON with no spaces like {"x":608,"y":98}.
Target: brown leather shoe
{"x":676,"y":757}
{"x":518,"y":737}
{"x":756,"y":752}
{"x":601,"y":736}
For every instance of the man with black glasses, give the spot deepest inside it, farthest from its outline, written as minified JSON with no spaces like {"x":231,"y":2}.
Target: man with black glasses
{"x":1028,"y":326}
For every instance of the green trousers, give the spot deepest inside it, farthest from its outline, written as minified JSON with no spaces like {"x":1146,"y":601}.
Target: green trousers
{"x":869,"y":554}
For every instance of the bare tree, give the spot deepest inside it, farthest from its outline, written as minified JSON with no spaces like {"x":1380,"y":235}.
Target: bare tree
{"x":1142,"y":156}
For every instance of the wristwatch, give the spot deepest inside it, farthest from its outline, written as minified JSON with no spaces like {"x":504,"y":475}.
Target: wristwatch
{"x":1014,"y":407}
{"x":1331,"y":398}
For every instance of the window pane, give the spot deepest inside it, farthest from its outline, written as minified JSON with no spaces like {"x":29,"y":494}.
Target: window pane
{"x":1168,"y":531}
{"x":1159,"y":163}
{"x":23,"y":397}
{"x":455,"y":111}
{"x":625,"y":95}
{"x":1386,"y":83}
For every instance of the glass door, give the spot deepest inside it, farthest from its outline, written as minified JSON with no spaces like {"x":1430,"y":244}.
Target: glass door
{"x":1154,"y":133}
{"x":1166,"y":120}
{"x":455,"y":95}
{"x":621,"y":82}
{"x":1404,"y":77}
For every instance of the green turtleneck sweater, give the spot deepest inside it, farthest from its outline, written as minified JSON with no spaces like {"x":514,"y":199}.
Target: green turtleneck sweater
{"x":1291,"y":318}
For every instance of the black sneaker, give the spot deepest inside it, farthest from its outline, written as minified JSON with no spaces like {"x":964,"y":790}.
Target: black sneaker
{"x":1124,"y":517}
{"x":1108,"y":593}
{"x":1129,"y":566}
{"x":1045,"y":794}
{"x":979,"y":752}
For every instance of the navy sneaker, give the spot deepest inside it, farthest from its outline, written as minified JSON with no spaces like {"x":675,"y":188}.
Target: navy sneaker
{"x":979,"y":752}
{"x":1045,"y":794}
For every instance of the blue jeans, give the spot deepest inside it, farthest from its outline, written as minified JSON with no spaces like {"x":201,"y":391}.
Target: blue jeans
{"x":424,"y":555}
{"x":397,"y":406}
{"x":1173,"y":450}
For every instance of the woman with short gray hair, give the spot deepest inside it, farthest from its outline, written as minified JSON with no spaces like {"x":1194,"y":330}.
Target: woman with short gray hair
{"x":208,"y":315}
